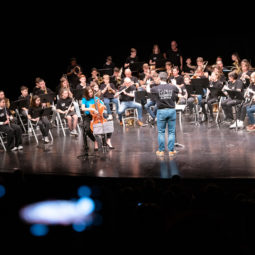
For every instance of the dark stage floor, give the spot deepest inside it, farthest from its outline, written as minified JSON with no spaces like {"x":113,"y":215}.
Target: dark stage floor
{"x":216,"y":152}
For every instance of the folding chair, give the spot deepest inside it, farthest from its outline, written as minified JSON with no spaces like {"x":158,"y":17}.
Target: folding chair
{"x":2,"y":140}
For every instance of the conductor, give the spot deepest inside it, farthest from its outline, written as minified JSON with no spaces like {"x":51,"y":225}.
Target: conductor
{"x":165,"y":96}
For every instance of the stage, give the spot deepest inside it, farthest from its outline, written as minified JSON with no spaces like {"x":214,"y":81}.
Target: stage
{"x":210,"y":152}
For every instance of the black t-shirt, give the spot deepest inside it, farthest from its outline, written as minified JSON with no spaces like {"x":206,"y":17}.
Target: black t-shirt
{"x":158,"y":58}
{"x":179,"y":79}
{"x":187,"y":69}
{"x":3,"y":116}
{"x":41,"y":92}
{"x":79,"y":86}
{"x":73,"y":78}
{"x":36,"y":91}
{"x":238,"y":84}
{"x":167,"y":95}
{"x":107,"y":94}
{"x":174,"y":57}
{"x":27,"y":98}
{"x":124,"y":97}
{"x":217,"y":85}
{"x":110,"y":67}
{"x":223,"y":78}
{"x":132,"y":78}
{"x":35,"y":112}
{"x":63,"y":104}
{"x":130,"y":60}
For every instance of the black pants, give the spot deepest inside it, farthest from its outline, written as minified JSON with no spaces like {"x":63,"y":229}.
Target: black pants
{"x":14,"y":133}
{"x":241,"y":113}
{"x":227,"y":107}
{"x":209,"y":103}
{"x":44,"y":125}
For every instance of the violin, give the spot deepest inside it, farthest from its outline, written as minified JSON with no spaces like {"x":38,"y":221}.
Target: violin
{"x":97,"y":117}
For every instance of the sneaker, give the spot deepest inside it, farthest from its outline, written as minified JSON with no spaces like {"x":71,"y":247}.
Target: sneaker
{"x":109,"y":117}
{"x":14,"y":149}
{"x":20,"y":147}
{"x":172,"y":153}
{"x":238,"y":124}
{"x":46,"y":139}
{"x":75,"y":132}
{"x":72,"y":132}
{"x":160,"y":153}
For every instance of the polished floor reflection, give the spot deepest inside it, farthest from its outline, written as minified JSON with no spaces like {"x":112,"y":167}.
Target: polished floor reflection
{"x":210,"y":152}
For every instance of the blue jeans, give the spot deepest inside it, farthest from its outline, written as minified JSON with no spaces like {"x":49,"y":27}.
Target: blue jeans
{"x":148,"y":108}
{"x":107,"y":104}
{"x":166,"y":116}
{"x":130,"y":104}
{"x":250,"y":112}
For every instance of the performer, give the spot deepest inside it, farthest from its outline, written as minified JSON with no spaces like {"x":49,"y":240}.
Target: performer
{"x":37,"y":87}
{"x":131,"y":59}
{"x":166,"y":113}
{"x":245,"y":73}
{"x":83,"y":82}
{"x":156,"y":58}
{"x":188,"y":68}
{"x":128,"y":74}
{"x":169,"y":70}
{"x":24,"y":96}
{"x":209,"y":100}
{"x":127,"y":100}
{"x":7,"y":101}
{"x":13,"y":131}
{"x":251,"y":108}
{"x":116,"y":78}
{"x":73,"y":73}
{"x":236,"y":85}
{"x":109,"y":65}
{"x":177,"y":79}
{"x":87,"y":102}
{"x":34,"y":114}
{"x":94,"y":76}
{"x":65,"y":107}
{"x":108,"y":90}
{"x":237,"y":62}
{"x":174,"y":55}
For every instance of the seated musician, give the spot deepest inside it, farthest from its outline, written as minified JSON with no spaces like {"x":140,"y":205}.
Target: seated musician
{"x":183,"y":94}
{"x":245,"y":74}
{"x":13,"y":131}
{"x":96,"y":90}
{"x":108,"y":90}
{"x":108,"y":65}
{"x":127,"y":100}
{"x":144,"y":76}
{"x":37,"y":87}
{"x":7,"y":101}
{"x":188,"y":68}
{"x":87,"y":102}
{"x":43,"y":88}
{"x":237,"y":62}
{"x":131,"y":59}
{"x":35,"y":115}
{"x":210,"y":99}
{"x":83,"y":82}
{"x":247,"y":107}
{"x":234,"y":84}
{"x":116,"y":77}
{"x":250,"y":109}
{"x":67,"y":110}
{"x":201,"y":68}
{"x":218,"y":69}
{"x":177,"y":79}
{"x":150,"y":102}
{"x":128,"y":74}
{"x":156,"y":58}
{"x":24,"y":96}
{"x":169,"y":71}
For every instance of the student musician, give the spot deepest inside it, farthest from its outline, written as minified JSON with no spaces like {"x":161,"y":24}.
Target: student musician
{"x":24,"y":96}
{"x":127,"y":100}
{"x":87,"y":102}
{"x":183,"y":94}
{"x":176,"y":79}
{"x":83,"y":82}
{"x":169,"y":71}
{"x":247,"y":107}
{"x":35,"y":115}
{"x":108,"y":65}
{"x":217,"y":69}
{"x":131,"y":59}
{"x":245,"y":73}
{"x":188,"y":68}
{"x":66,"y":109}
{"x":210,"y":99}
{"x":234,"y":84}
{"x":96,"y":90}
{"x":250,"y":109}
{"x":73,"y":73}
{"x":201,"y":69}
{"x":108,"y":90}
{"x":144,"y":76}
{"x":94,"y":76}
{"x":237,"y":62}
{"x":44,"y":90}
{"x":116,"y":77}
{"x":37,"y":87}
{"x":156,"y":58}
{"x":13,"y":131}
{"x":7,"y":101}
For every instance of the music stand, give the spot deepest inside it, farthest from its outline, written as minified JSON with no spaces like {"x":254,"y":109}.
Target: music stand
{"x":236,"y":95}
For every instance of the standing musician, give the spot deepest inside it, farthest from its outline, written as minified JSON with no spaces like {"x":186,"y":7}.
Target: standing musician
{"x":177,"y":79}
{"x":245,"y":73}
{"x":116,"y":77}
{"x":108,"y":90}
{"x":88,"y":101}
{"x":234,"y":84}
{"x":131,"y":59}
{"x":13,"y":131}
{"x":210,"y":99}
{"x":108,"y":65}
{"x":73,"y":73}
{"x":174,"y":55}
{"x":166,"y":114}
{"x":83,"y":84}
{"x":156,"y":59}
{"x":251,"y":107}
{"x":127,"y":100}
{"x":66,"y":109}
{"x":188,"y":68}
{"x":34,"y":114}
